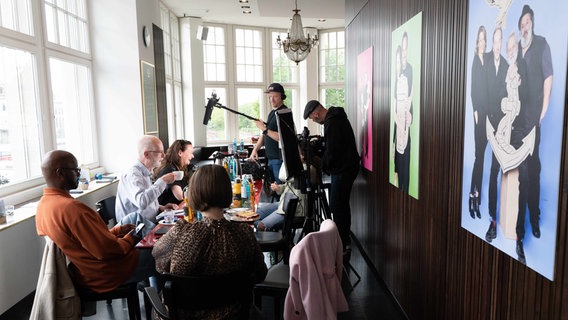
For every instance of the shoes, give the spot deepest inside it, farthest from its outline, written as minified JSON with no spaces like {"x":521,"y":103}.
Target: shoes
{"x":521,"y":252}
{"x":471,"y":206}
{"x":476,"y":204}
{"x":536,"y":230}
{"x":491,"y":232}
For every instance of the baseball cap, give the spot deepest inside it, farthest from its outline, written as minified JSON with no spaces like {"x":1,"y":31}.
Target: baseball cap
{"x":310,"y":106}
{"x":275,"y":87}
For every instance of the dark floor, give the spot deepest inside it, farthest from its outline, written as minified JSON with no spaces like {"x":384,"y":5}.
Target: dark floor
{"x":367,"y":300}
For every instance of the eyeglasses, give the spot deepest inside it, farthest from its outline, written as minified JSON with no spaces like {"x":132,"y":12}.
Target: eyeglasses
{"x":160,"y":152}
{"x":77,"y":170}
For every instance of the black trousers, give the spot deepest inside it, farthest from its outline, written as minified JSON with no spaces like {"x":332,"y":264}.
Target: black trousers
{"x":480,"y":145}
{"x":339,"y":194}
{"x":529,"y":189}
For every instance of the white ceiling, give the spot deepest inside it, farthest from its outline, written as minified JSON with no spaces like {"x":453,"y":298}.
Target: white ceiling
{"x":265,"y":13}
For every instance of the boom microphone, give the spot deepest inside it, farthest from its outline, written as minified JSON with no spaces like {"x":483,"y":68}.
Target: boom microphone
{"x":209,"y":107}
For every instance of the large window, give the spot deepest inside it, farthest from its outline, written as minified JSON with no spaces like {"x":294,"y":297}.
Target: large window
{"x":332,"y":68}
{"x":45,"y":103}
{"x":249,"y":55}
{"x":172,"y":64}
{"x":17,"y":15}
{"x":66,"y":24}
{"x":214,"y":55}
{"x":20,"y":153}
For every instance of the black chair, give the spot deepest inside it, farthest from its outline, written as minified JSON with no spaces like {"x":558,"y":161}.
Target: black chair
{"x":89,"y":297}
{"x":274,"y":241}
{"x":184,"y":294}
{"x":127,"y":291}
{"x":106,"y":209}
{"x":277,"y":280}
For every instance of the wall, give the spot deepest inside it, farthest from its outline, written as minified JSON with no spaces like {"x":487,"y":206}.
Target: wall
{"x":435,"y":268}
{"x":117,"y":48}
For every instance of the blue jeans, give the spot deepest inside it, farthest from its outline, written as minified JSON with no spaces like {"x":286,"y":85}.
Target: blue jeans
{"x":271,"y":219}
{"x":274,"y":167}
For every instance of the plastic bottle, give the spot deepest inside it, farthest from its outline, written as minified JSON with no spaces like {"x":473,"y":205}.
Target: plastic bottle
{"x":235,"y":145}
{"x":244,"y":193}
{"x":237,"y":193}
{"x":252,"y":196}
{"x":242,"y":145}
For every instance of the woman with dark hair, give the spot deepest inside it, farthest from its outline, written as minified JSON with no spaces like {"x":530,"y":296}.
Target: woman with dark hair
{"x":478,"y":100}
{"x":214,"y":245}
{"x":177,"y":158}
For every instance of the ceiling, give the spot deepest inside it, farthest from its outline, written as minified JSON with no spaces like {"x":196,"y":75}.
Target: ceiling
{"x":265,"y":13}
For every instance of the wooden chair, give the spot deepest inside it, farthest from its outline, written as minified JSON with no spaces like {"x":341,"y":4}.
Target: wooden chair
{"x":274,"y":241}
{"x":191,"y":293}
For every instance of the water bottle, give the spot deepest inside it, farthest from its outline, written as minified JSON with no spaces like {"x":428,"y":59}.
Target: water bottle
{"x":242,"y":145}
{"x":235,"y":145}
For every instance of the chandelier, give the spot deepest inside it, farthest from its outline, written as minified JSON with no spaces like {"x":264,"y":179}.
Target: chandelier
{"x":296,"y":46}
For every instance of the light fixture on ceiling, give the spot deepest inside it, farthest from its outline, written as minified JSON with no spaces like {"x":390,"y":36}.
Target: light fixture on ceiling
{"x":296,"y":46}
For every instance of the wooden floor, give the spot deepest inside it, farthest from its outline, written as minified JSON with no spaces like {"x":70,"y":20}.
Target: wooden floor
{"x":368,"y":299}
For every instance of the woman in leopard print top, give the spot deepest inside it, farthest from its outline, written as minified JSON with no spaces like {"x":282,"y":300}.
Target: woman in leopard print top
{"x":214,"y":245}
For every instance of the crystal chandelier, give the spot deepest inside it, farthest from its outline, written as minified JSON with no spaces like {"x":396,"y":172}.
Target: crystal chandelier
{"x":296,"y":46}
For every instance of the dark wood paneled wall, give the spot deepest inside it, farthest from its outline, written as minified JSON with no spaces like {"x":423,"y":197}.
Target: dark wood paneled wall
{"x":435,"y":268}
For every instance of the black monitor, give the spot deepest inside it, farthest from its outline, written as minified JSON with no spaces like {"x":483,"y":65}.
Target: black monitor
{"x":290,"y":147}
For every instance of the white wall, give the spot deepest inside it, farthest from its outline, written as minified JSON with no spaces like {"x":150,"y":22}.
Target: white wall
{"x":116,"y":28}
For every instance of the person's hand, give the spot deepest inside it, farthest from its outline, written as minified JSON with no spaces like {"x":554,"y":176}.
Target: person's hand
{"x":170,"y":206}
{"x":274,"y":186}
{"x":260,"y":124}
{"x":169,"y":178}
{"x":123,"y":229}
{"x":253,"y":155}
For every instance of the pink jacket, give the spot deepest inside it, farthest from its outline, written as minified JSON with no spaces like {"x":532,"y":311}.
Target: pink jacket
{"x":316,"y":266}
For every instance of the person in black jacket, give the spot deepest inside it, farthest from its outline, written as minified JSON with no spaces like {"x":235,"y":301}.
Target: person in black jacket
{"x":340,"y":160}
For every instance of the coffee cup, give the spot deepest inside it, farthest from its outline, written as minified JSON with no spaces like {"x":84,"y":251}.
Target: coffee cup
{"x":178,"y":174}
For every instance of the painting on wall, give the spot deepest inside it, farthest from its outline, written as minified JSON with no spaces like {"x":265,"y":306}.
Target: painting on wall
{"x":365,"y":106}
{"x":406,"y":53}
{"x":514,"y":111}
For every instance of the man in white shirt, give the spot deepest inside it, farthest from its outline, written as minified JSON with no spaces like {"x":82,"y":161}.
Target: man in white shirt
{"x":136,"y":193}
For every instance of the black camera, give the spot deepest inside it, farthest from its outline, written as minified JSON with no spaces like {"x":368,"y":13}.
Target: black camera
{"x":315,"y":145}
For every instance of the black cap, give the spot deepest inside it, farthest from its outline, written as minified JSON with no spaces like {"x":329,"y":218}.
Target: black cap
{"x":526,"y":9}
{"x":275,"y":87}
{"x":310,"y":106}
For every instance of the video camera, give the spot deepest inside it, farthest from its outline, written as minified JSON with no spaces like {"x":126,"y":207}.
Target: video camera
{"x":314,"y":145}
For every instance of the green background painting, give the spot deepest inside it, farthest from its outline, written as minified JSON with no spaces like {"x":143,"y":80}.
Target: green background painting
{"x":413,"y":28}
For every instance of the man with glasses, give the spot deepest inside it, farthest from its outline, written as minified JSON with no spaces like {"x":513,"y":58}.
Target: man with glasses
{"x":137,"y":196}
{"x":102,"y":259}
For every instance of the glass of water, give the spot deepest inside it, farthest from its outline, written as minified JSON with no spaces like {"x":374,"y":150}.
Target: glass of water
{"x":9,"y":210}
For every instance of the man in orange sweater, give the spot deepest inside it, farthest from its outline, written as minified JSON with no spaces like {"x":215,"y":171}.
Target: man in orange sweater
{"x":102,"y":259}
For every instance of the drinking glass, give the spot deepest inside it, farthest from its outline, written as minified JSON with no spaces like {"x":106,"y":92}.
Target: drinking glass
{"x":9,"y":210}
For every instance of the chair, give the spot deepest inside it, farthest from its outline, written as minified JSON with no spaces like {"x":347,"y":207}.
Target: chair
{"x":316,"y":265}
{"x":274,"y":241}
{"x":191,"y":293}
{"x":106,"y":209}
{"x":126,"y":291}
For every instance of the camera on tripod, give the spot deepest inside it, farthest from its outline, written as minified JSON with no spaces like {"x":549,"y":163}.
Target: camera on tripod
{"x":311,"y":145}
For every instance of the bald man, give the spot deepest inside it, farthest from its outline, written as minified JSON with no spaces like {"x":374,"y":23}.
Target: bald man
{"x":102,"y":259}
{"x":136,"y":193}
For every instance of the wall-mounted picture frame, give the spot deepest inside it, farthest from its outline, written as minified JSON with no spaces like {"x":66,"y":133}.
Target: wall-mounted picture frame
{"x":149,"y":104}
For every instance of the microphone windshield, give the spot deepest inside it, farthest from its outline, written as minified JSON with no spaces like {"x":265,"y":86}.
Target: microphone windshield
{"x":209,"y":107}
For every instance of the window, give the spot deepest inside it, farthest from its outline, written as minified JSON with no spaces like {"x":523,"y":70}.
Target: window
{"x":217,"y":128}
{"x":332,"y":68}
{"x":72,"y":107}
{"x":172,"y":64}
{"x":249,"y":104}
{"x":30,"y":123}
{"x":17,"y":15}
{"x":66,"y":23}
{"x":249,"y":53}
{"x":20,"y":151}
{"x":284,"y":70}
{"x":214,"y":55}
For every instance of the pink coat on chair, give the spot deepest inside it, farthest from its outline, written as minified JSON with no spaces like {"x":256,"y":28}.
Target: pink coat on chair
{"x":316,"y":266}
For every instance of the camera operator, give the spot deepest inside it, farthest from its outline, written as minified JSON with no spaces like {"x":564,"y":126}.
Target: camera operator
{"x":340,"y":160}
